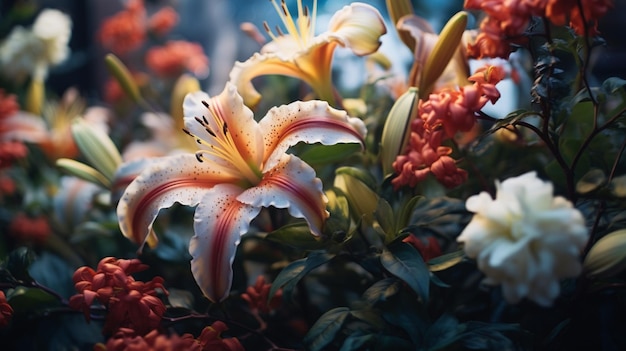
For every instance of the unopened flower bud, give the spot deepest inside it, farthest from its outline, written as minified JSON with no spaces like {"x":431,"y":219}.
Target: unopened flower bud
{"x":607,"y":256}
{"x":447,"y":45}
{"x":35,"y":96}
{"x":83,"y":171}
{"x":397,"y":9}
{"x":397,"y":128}
{"x":123,"y":76}
{"x":97,"y":148}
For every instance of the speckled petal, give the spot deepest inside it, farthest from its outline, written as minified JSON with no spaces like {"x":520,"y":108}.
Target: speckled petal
{"x":227,"y":106}
{"x":309,"y":122}
{"x":178,"y":178}
{"x":291,"y":184}
{"x":219,"y":222}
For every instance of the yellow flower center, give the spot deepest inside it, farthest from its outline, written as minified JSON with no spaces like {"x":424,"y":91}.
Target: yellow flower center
{"x":301,"y":29}
{"x":222,"y":145}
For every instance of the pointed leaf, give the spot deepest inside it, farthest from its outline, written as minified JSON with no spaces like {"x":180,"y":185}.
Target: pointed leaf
{"x":405,"y":262}
{"x":326,"y":328}
{"x":381,"y":290}
{"x":298,"y":236}
{"x":296,"y":270}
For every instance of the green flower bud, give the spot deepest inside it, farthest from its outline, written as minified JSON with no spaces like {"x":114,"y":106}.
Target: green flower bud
{"x":81,"y":170}
{"x":397,"y":129}
{"x":607,"y":256}
{"x":97,"y":148}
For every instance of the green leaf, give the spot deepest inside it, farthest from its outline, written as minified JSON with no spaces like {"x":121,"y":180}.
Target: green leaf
{"x":325,"y":329}
{"x":405,"y":262}
{"x":18,"y":263}
{"x":358,"y":342}
{"x":404,"y":311}
{"x":591,"y":181}
{"x":297,"y":236}
{"x":324,"y":154}
{"x":381,"y":290}
{"x":26,"y":300}
{"x":509,"y":119}
{"x":446,"y":261}
{"x":384,"y":216}
{"x":442,"y":333}
{"x":296,"y":270}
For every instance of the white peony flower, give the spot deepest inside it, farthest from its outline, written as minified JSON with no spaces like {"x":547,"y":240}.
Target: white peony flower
{"x":54,"y":28}
{"x":525,"y":239}
{"x":30,"y":52}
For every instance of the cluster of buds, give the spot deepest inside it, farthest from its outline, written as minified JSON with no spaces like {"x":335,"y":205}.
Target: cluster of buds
{"x":129,"y":303}
{"x":127,"y":29}
{"x":257,"y":297}
{"x":506,"y":21}
{"x":439,"y":118}
{"x":176,"y":57}
{"x":126,"y":339}
{"x":6,"y":311}
{"x":10,"y":150}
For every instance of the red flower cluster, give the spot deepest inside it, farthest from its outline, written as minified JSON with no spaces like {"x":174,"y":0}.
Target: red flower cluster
{"x":441,"y":117}
{"x":257,"y":297}
{"x":130,"y":303}
{"x":127,"y":29}
{"x":506,"y":21}
{"x":26,"y":228}
{"x":8,"y":104}
{"x":6,"y":311}
{"x":126,"y":339}
{"x":175,"y":57}
{"x":10,"y":150}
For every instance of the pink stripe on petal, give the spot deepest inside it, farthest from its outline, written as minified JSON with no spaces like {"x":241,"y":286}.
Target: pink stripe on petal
{"x":219,"y":222}
{"x":179,"y":179}
{"x":291,"y":184}
{"x":309,"y":122}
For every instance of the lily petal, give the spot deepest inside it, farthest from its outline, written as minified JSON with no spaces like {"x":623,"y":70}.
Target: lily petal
{"x":219,"y":222}
{"x":178,"y":178}
{"x":309,"y":122}
{"x":358,"y":26}
{"x":24,"y":126}
{"x":291,"y":184}
{"x":311,"y":66}
{"x":229,"y":108}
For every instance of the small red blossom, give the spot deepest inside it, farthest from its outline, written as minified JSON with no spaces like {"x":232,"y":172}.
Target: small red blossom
{"x":130,"y":303}
{"x":8,"y":104}
{"x":212,"y":340}
{"x":125,"y":31}
{"x":506,"y":21}
{"x":177,"y":56}
{"x":11,"y":151}
{"x":427,"y":246}
{"x":7,"y":185}
{"x":6,"y":311}
{"x":442,"y":117}
{"x":126,"y":339}
{"x":26,"y":228}
{"x":162,"y":21}
{"x":257,"y":297}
